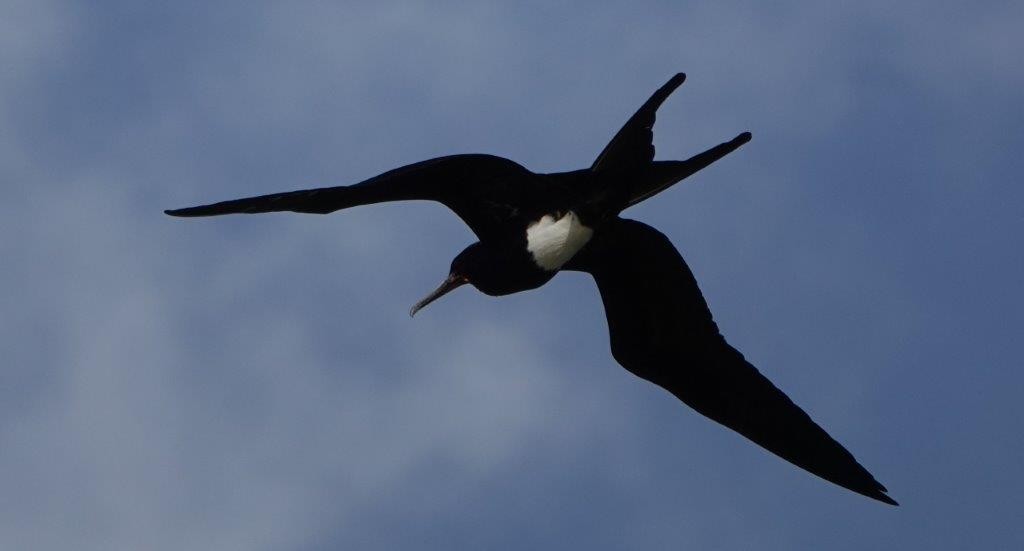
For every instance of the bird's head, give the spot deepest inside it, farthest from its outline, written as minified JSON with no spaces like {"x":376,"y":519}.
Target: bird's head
{"x":482,"y":267}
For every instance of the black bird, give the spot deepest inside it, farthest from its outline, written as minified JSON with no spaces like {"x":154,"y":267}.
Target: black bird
{"x":531,"y":225}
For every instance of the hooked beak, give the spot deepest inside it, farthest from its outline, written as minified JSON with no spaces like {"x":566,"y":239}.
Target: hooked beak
{"x":449,"y":284}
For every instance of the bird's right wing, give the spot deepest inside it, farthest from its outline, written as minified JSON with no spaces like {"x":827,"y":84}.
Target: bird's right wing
{"x":661,"y":330}
{"x":478,"y":188}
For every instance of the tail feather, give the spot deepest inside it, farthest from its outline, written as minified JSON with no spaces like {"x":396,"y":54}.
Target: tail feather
{"x":661,"y":175}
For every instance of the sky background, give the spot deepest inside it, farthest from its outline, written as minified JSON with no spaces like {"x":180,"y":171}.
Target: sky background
{"x":256,"y":382}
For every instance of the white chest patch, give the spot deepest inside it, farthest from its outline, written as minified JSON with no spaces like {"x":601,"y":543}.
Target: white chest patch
{"x":552,"y":242}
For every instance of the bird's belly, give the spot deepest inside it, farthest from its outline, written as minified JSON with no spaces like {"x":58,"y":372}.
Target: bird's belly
{"x":553,"y":240}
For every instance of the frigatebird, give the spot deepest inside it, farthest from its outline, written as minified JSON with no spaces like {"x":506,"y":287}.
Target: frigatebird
{"x":531,"y":225}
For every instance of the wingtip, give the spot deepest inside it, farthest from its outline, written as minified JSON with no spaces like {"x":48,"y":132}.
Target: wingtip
{"x":189,"y":212}
{"x":885,"y":499}
{"x":875,"y":490}
{"x":743,"y":138}
{"x":675,"y":82}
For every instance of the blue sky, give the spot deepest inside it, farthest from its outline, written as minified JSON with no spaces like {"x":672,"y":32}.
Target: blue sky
{"x":256,"y":383}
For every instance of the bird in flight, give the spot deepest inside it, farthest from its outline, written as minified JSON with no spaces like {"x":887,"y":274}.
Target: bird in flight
{"x":530,"y":226}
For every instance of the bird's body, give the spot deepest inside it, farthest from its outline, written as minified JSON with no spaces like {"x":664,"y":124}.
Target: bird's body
{"x":530,"y":226}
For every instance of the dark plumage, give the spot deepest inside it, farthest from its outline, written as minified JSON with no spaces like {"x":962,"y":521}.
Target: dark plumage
{"x":531,"y":225}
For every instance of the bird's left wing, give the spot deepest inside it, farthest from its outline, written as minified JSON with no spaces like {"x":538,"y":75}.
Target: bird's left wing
{"x":661,"y":330}
{"x":476,"y":187}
